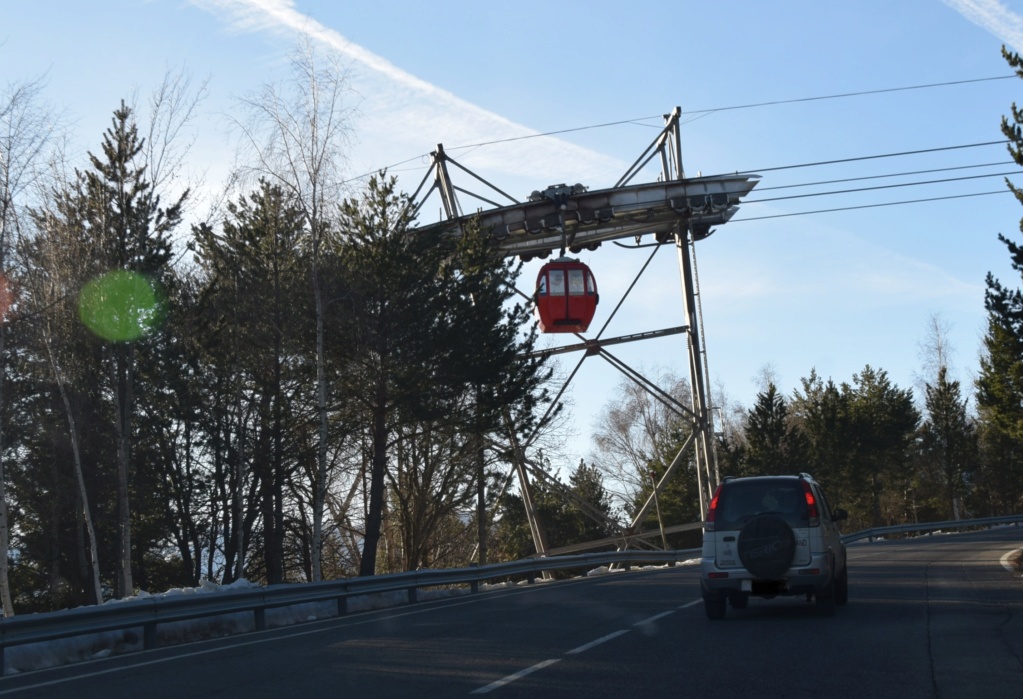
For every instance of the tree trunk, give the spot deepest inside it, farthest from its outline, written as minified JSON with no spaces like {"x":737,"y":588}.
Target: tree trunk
{"x":124,"y":401}
{"x":320,"y":483}
{"x":239,"y":496}
{"x":83,"y":496}
{"x":5,"y":534}
{"x":374,"y":517}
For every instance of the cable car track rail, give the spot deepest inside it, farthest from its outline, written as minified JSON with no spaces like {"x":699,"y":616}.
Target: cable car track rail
{"x":588,"y":218}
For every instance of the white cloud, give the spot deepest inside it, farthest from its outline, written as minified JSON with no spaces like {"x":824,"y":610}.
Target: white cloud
{"x":994,"y":17}
{"x":403,"y":116}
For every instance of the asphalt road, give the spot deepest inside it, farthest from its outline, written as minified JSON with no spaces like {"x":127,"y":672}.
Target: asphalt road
{"x":930,"y":617}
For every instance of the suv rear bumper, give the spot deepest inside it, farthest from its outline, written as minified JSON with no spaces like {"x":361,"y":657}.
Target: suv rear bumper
{"x":799,"y":579}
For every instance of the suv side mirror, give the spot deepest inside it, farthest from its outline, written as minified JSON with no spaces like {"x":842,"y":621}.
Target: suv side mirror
{"x":839,"y":514}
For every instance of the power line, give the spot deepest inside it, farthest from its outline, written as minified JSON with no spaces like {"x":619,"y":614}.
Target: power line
{"x":880,"y":177}
{"x":850,"y":94}
{"x":881,"y":186}
{"x":557,"y":133}
{"x":868,"y":206}
{"x":637,"y":121}
{"x":866,"y":157}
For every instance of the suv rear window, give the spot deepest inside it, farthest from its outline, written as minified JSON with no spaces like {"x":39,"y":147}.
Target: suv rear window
{"x":741,"y":501}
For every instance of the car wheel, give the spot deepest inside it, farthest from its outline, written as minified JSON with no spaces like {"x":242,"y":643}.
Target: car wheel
{"x":766,"y":546}
{"x":715,"y":607}
{"x":738,"y":600}
{"x":825,"y":598}
{"x":842,"y":588}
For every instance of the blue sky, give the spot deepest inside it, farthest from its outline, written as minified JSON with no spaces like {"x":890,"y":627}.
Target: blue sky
{"x":780,"y":288}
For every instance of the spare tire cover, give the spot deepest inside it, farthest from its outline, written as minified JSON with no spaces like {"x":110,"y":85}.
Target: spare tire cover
{"x":767,"y":546}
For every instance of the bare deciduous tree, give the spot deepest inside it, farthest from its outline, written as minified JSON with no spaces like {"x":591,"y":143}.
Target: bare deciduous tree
{"x":629,"y":431}
{"x":298,"y":134}
{"x":26,"y":128}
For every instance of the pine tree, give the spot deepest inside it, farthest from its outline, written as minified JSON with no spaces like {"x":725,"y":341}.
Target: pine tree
{"x":883,"y":425}
{"x":1000,"y":382}
{"x":256,"y":277}
{"x":427,"y":325}
{"x":131,"y":240}
{"x":821,"y":412}
{"x":774,"y":444}
{"x":949,"y":441}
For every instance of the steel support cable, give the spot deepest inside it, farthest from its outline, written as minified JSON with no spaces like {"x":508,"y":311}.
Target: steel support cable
{"x":706,"y":365}
{"x":669,"y":134}
{"x":476,"y":196}
{"x":875,"y":188}
{"x":672,"y":467}
{"x":663,"y":396}
{"x":886,"y":176}
{"x":554,"y":403}
{"x":588,"y":509}
{"x":866,"y":157}
{"x":861,"y":93}
{"x":519,"y":452}
{"x":627,"y":292}
{"x":470,"y":172}
{"x":869,"y":206}
{"x":700,"y":112}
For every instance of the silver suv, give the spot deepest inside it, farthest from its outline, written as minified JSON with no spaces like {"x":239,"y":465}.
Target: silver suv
{"x":772,"y":535}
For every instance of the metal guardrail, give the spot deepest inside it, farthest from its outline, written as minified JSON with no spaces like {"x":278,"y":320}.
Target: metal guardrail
{"x":149,"y":612}
{"x":878,"y":532}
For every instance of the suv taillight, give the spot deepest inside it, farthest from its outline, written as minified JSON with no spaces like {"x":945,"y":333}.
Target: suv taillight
{"x":712,"y":510}
{"x":811,"y":505}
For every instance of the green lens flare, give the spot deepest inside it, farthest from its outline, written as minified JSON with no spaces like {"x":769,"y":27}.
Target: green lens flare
{"x":120,"y":306}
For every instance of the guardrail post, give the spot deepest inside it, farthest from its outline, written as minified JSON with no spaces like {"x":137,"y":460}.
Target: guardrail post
{"x":342,"y":605}
{"x":3,"y":661}
{"x":260,"y":613}
{"x":149,"y":636}
{"x":412,"y":595}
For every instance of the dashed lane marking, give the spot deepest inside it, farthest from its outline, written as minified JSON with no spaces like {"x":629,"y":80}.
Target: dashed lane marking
{"x":593,"y":644}
{"x":576,"y":651}
{"x":517,"y":676}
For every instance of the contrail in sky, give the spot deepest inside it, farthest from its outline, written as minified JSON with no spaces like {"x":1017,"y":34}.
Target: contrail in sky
{"x":398,"y":110}
{"x":994,"y":17}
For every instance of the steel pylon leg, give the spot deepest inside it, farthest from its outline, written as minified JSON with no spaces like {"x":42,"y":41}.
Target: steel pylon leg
{"x":702,"y":427}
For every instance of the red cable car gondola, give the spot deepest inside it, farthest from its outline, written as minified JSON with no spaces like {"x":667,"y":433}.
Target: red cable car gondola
{"x":566,"y":296}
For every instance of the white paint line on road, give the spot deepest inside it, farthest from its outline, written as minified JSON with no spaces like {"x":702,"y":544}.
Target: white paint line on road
{"x":593,"y":644}
{"x":1005,"y":560}
{"x":654,"y":618}
{"x":85,"y":670}
{"x":576,"y":651}
{"x":517,"y":676}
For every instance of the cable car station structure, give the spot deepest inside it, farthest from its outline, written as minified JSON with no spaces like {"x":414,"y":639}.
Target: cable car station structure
{"x":675,"y":209}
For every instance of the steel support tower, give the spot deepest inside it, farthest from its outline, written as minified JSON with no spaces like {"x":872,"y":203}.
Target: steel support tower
{"x":675,"y":209}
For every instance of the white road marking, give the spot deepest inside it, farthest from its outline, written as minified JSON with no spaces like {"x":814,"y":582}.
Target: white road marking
{"x":654,"y":618}
{"x":576,"y":651}
{"x":245,"y":640}
{"x":517,"y":676}
{"x":1005,"y":560}
{"x":592,"y":644}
